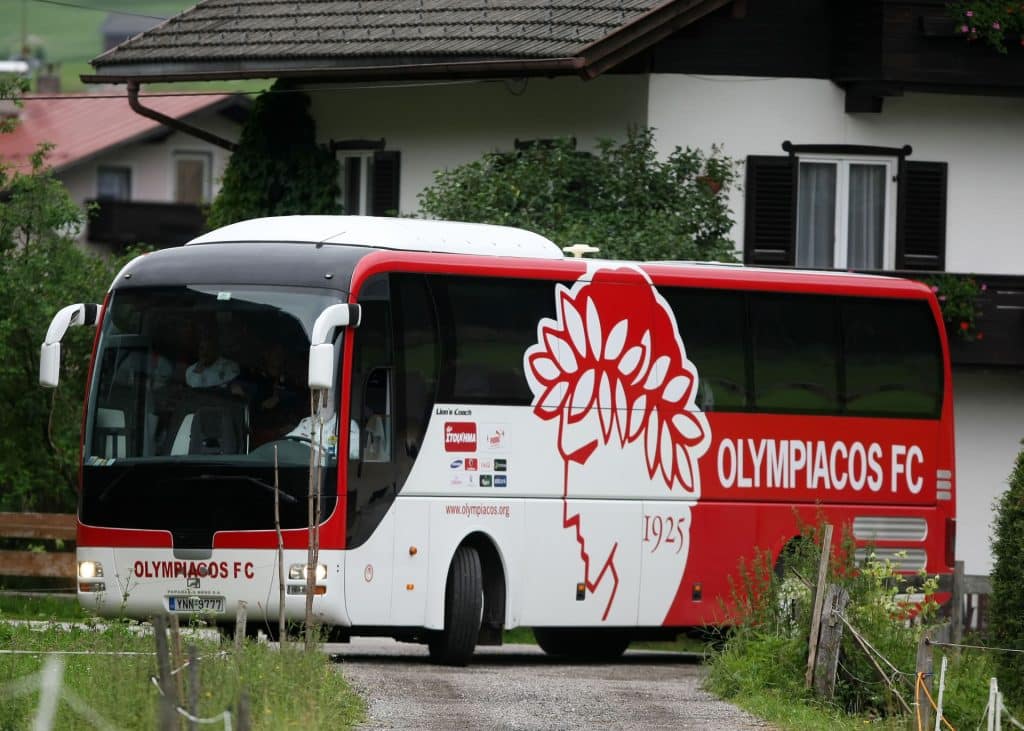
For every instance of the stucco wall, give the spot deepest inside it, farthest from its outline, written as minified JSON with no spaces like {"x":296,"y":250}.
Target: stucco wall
{"x":980,"y":138}
{"x":441,"y":126}
{"x":989,"y":405}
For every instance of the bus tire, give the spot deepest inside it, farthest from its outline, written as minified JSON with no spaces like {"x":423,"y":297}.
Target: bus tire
{"x":582,"y":644}
{"x":463,"y":608}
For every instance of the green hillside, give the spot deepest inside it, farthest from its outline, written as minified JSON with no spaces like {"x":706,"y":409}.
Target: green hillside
{"x":68,"y":32}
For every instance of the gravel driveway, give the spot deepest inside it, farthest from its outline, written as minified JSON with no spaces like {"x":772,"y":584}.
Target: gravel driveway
{"x":517,"y":686}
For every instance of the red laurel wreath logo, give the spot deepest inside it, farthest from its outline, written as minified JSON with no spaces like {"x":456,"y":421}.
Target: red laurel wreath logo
{"x":615,"y":349}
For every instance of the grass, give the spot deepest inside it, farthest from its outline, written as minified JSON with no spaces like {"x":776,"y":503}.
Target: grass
{"x":42,"y":607}
{"x":286,"y":689}
{"x":71,"y":36}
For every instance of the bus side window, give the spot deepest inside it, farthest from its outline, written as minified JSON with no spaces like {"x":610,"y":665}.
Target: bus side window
{"x":712,"y":328}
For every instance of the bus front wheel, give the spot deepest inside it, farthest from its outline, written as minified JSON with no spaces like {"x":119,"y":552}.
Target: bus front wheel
{"x":463,"y":608}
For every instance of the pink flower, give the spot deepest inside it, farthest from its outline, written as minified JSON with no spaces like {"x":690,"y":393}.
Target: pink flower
{"x":996,"y":25}
{"x":942,"y":298}
{"x":984,"y":287}
{"x":964,"y":29}
{"x":969,"y":13}
{"x":934,"y":288}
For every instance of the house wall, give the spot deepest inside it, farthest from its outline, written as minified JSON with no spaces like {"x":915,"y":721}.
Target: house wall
{"x":437,"y":127}
{"x":978,"y":136}
{"x":989,"y":404}
{"x":152,"y":166}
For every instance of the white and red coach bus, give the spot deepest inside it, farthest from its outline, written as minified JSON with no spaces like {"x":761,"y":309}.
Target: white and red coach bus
{"x":583,"y":447}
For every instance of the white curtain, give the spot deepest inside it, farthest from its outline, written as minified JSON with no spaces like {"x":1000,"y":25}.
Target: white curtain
{"x":866,"y":229}
{"x":816,"y":216}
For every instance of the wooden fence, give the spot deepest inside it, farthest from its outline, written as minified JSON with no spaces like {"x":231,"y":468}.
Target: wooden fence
{"x":41,"y":527}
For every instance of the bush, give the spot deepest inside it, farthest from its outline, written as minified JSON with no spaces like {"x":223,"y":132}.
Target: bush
{"x":278,"y":168}
{"x":765,"y":655}
{"x":1007,"y":608}
{"x":622,"y":199}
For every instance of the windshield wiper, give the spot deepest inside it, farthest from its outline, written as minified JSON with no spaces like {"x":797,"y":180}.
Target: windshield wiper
{"x":247,"y":478}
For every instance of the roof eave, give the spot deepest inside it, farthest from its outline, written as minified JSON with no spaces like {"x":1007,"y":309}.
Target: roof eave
{"x":643,"y":33}
{"x":432,"y":69}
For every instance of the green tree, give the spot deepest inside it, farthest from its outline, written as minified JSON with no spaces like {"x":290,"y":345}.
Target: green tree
{"x":41,"y":270}
{"x":622,"y":199}
{"x":1007,"y":608}
{"x":278,"y":168}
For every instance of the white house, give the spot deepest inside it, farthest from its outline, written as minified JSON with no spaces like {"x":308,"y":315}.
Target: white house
{"x":874,"y":136}
{"x":142,"y":181}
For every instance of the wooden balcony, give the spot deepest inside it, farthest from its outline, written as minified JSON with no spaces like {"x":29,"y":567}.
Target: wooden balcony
{"x":125,"y":223}
{"x":999,"y":320}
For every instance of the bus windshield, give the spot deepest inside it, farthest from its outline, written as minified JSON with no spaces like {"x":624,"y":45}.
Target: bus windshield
{"x":195,"y":390}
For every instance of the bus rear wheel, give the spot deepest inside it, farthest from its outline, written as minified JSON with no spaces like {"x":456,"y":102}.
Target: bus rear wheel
{"x":463,"y":609}
{"x":582,"y":644}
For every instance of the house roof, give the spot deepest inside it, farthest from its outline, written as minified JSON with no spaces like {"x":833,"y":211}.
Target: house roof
{"x":81,"y":126}
{"x":227,"y":39}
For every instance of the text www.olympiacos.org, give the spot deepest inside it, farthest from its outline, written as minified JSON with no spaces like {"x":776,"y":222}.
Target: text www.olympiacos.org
{"x":476,"y":510}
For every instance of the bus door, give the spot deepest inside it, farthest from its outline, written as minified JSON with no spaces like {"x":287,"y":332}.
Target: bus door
{"x":371,"y":471}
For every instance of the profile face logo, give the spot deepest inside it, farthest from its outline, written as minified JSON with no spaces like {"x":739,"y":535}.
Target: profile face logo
{"x":460,"y":436}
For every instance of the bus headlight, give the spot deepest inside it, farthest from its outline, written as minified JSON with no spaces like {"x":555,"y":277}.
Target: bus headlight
{"x":297,"y":571}
{"x":90,"y":570}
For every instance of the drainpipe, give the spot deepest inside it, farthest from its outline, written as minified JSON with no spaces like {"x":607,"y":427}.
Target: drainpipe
{"x":175,"y":124}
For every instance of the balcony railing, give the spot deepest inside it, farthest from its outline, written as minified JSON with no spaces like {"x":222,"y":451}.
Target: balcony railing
{"x":124,"y":223}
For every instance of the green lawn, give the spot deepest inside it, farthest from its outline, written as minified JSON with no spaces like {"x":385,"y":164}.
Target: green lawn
{"x":286,"y":689}
{"x":72,"y":36}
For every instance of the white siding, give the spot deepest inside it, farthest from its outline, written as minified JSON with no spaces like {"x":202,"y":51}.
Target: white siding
{"x":442,"y":126}
{"x":989,"y":406}
{"x":980,"y":138}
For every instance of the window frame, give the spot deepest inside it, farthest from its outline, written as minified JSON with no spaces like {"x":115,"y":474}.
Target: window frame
{"x":206,"y":158}
{"x":125,"y":170}
{"x":841,"y":241}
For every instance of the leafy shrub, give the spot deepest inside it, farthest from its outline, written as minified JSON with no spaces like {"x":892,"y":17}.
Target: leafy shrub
{"x":278,"y":168}
{"x":1007,"y":608}
{"x":622,"y":199}
{"x":766,"y":652}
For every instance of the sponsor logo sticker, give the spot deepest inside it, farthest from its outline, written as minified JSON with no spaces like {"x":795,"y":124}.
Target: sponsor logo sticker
{"x":460,"y":436}
{"x":456,"y":464}
{"x":501,"y":480}
{"x":501,"y":465}
{"x":494,"y":438}
{"x":485,"y":480}
{"x":472,"y":464}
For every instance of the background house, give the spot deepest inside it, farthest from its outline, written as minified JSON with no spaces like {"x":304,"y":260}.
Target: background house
{"x":142,"y":181}
{"x":873,"y":135}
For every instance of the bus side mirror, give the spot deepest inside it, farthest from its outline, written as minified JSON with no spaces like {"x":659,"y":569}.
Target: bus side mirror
{"x":321,"y":350}
{"x":49,"y":352}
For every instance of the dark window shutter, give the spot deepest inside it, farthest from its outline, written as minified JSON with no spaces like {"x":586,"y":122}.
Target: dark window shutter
{"x":384,"y":196}
{"x":770,"y":226}
{"x":921,"y":216}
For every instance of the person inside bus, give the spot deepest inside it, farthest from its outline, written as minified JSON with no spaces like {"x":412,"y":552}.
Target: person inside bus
{"x":211,"y":369}
{"x":277,"y":403}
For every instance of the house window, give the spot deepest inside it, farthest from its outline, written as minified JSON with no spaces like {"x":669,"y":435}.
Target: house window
{"x":845,"y":207}
{"x":114,"y":183}
{"x":845,"y":213}
{"x":193,"y":180}
{"x":368,"y":177}
{"x":356,"y":176}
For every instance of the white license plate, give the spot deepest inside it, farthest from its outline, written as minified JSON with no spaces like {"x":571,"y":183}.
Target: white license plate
{"x":213,"y":604}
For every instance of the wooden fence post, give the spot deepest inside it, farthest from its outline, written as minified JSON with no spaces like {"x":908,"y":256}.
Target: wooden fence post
{"x":240,"y":620}
{"x":827,"y":656}
{"x":244,"y":722}
{"x":956,"y":615}
{"x":193,"y":685}
{"x":168,"y":720}
{"x":819,"y":598}
{"x":177,"y":660}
